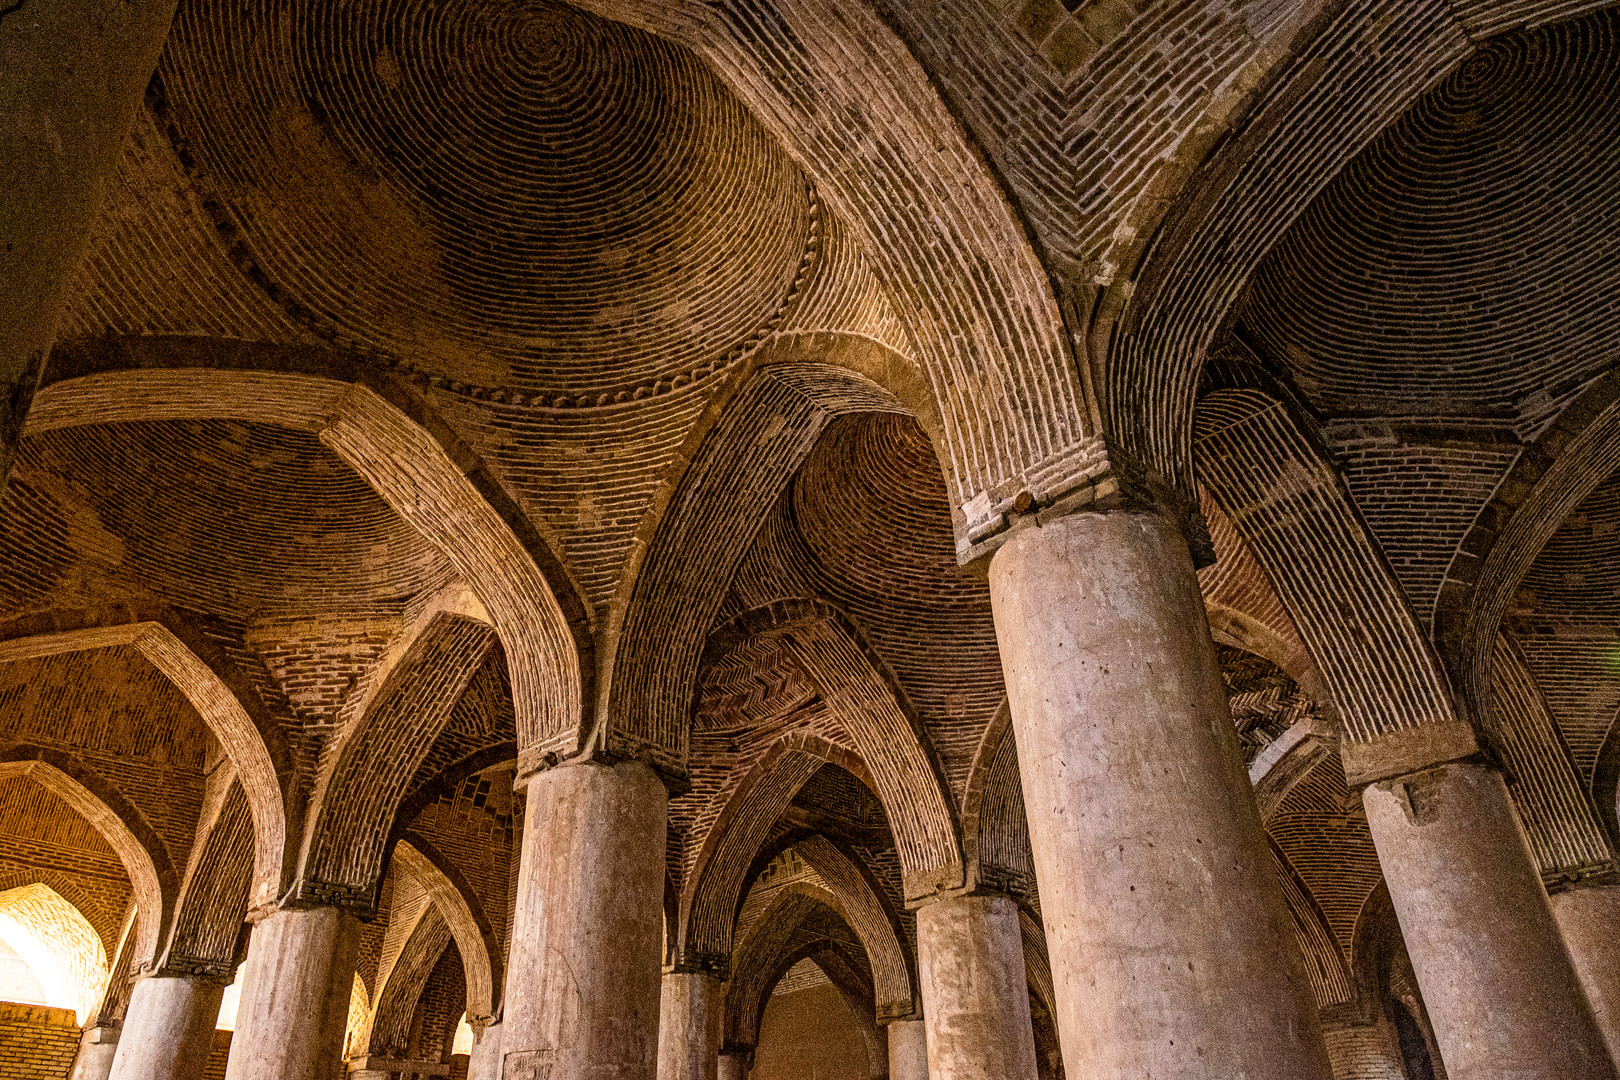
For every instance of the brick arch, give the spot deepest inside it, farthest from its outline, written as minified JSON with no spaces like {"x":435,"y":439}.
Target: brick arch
{"x":1551,"y":477}
{"x":402,"y":980}
{"x":1287,"y":502}
{"x":1325,"y":967}
{"x":887,"y":739}
{"x":1330,"y":94}
{"x":1037,"y":961}
{"x":729,"y":474}
{"x":835,"y":84}
{"x":894,"y":987}
{"x":780,"y":941}
{"x":378,"y":753}
{"x":146,"y":860}
{"x":380,"y":425}
{"x":202,"y":671}
{"x":70,"y":891}
{"x":470,"y":928}
{"x":995,"y":831}
{"x":213,"y":901}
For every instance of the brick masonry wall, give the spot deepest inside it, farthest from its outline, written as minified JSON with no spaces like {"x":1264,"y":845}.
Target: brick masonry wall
{"x":36,"y":1042}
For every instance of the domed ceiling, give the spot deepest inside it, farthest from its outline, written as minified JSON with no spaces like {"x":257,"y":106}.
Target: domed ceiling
{"x":509,"y":193}
{"x":1467,"y":262}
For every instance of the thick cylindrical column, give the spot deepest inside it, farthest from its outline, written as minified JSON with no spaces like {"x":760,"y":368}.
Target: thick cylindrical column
{"x":689,"y":1017}
{"x":1141,"y":815}
{"x":1497,"y":982}
{"x":733,"y":1066}
{"x":582,"y":999}
{"x":908,"y":1050}
{"x":1590,"y":920}
{"x":484,"y":1063}
{"x":970,"y":957}
{"x":97,"y":1047}
{"x":71,"y":77}
{"x":169,"y":1029}
{"x":295,"y":996}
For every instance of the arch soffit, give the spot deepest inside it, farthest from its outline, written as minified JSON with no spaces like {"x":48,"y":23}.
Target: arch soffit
{"x":1551,"y":477}
{"x":383,"y":429}
{"x":126,"y":830}
{"x":940,"y":233}
{"x":861,"y":905}
{"x":1037,"y":960}
{"x":889,"y":740}
{"x":462,"y":909}
{"x":1289,"y":505}
{"x":739,"y":457}
{"x":402,"y":714}
{"x":990,"y":829}
{"x":213,"y":901}
{"x":224,"y":700}
{"x":1156,"y":324}
{"x":766,"y":955}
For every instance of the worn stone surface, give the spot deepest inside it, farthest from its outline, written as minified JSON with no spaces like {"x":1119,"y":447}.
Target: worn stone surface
{"x":1473,"y":913}
{"x":168,"y":1032}
{"x":970,"y":959}
{"x":295,"y":996}
{"x":1115,"y":694}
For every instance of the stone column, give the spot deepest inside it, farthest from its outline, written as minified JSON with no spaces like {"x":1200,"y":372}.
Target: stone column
{"x":485,"y":1061}
{"x":690,"y":1013}
{"x":1497,"y":982}
{"x":734,"y":1065}
{"x":95,"y":1058}
{"x":72,"y":73}
{"x":970,"y":957}
{"x":1589,"y":917}
{"x":169,"y":1029}
{"x":582,"y":998}
{"x":908,"y":1050}
{"x":295,"y":996}
{"x":1140,"y":808}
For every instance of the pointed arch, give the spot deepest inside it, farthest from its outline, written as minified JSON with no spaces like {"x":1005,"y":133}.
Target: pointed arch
{"x":894,"y":983}
{"x":889,"y":740}
{"x":225,"y":701}
{"x":726,"y":478}
{"x":380,"y":750}
{"x":139,"y":848}
{"x":213,"y":901}
{"x":1551,"y":477}
{"x":469,"y":927}
{"x":402,"y":977}
{"x":1324,"y":963}
{"x":1291,"y":508}
{"x":379,"y":424}
{"x":791,"y":929}
{"x":853,"y":106}
{"x":1328,"y":101}
{"x":995,"y":832}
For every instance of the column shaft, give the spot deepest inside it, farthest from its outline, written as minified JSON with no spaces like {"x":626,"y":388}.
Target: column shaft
{"x":733,"y":1067}
{"x":970,"y":956}
{"x":1590,"y":921}
{"x":72,"y":73}
{"x":689,"y":1018}
{"x":1141,"y":817}
{"x":1497,"y":982}
{"x":295,"y":996}
{"x":485,"y":1061}
{"x":582,"y":996}
{"x":169,"y":1029}
{"x":97,"y":1047}
{"x":908,"y":1050}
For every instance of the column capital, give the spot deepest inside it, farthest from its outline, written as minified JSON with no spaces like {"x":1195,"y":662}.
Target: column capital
{"x":1409,"y":751}
{"x":1112,"y":482}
